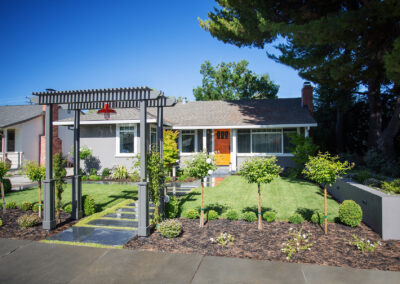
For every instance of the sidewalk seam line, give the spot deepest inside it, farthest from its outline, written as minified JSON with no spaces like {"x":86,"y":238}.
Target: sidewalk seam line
{"x":197,"y":269}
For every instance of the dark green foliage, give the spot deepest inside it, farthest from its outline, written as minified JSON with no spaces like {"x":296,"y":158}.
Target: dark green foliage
{"x":93,"y":172}
{"x":1,"y":223}
{"x":302,"y":148}
{"x":89,"y":206}
{"x":170,"y":228}
{"x":92,"y":165}
{"x":350,"y":213}
{"x":27,"y":221}
{"x":68,"y":208}
{"x":60,"y":173}
{"x":317,"y":218}
{"x":25,"y":206}
{"x":269,"y":216}
{"x":106,"y":172}
{"x":233,"y":81}
{"x":135,"y":176}
{"x":192,"y":214}
{"x":296,"y":219}
{"x":172,"y":207}
{"x":35,"y":208}
{"x":11,"y":205}
{"x":392,"y":186}
{"x":362,"y":175}
{"x":232,"y":214}
{"x":373,"y":182}
{"x":375,"y":160}
{"x":7,"y":185}
{"x":94,"y":177}
{"x":249,"y":216}
{"x":156,"y":180}
{"x":84,"y":178}
{"x":212,"y":215}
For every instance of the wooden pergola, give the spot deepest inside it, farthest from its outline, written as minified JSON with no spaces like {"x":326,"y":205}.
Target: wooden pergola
{"x":140,"y":97}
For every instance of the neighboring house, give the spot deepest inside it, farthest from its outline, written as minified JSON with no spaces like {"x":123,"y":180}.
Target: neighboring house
{"x":22,"y":131}
{"x":232,"y":130}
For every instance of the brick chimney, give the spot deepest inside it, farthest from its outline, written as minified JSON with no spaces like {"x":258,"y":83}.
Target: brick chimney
{"x":307,"y":96}
{"x":57,"y":142}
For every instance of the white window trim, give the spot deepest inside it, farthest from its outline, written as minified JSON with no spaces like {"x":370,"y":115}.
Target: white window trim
{"x":118,"y":154}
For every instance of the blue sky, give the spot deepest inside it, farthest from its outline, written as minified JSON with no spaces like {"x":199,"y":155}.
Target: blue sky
{"x":72,"y":44}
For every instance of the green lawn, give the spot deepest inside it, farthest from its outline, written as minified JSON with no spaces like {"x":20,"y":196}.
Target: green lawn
{"x":285,"y":196}
{"x":105,"y":195}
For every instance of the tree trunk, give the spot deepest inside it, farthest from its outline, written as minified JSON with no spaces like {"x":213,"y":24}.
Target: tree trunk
{"x":202,"y":204}
{"x":260,"y":227}
{"x":375,"y":113}
{"x":325,"y":211}
{"x":40,"y":199}
{"x":386,"y":141}
{"x":3,"y":197}
{"x":339,"y":130}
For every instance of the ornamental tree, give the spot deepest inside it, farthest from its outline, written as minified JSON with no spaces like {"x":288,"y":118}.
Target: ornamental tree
{"x":59,"y":176}
{"x":156,"y":181}
{"x":260,"y":171}
{"x":325,"y":169}
{"x":36,"y":173}
{"x":4,"y":167}
{"x":170,"y":148}
{"x":200,"y":166}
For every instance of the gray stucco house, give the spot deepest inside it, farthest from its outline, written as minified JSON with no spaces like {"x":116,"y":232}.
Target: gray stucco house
{"x":231,"y":130}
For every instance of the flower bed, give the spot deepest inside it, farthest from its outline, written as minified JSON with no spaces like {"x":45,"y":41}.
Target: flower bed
{"x":333,"y":249}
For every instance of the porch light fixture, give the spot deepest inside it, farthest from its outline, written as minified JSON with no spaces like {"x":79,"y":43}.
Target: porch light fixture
{"x":107,"y":111}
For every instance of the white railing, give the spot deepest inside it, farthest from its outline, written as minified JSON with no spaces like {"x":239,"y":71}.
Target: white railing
{"x":15,"y":158}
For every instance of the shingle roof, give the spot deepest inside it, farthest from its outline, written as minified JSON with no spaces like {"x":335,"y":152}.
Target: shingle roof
{"x":11,"y":115}
{"x":223,"y":113}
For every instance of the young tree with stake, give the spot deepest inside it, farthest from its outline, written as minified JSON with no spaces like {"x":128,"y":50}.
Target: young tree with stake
{"x":325,"y":169}
{"x":4,"y":167}
{"x":260,"y":171}
{"x":201,"y":166}
{"x":36,"y":173}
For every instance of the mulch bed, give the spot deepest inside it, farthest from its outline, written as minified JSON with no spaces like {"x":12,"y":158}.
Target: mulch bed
{"x":11,"y":230}
{"x":332,"y":249}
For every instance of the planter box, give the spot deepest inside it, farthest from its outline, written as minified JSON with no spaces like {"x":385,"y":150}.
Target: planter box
{"x":381,"y":212}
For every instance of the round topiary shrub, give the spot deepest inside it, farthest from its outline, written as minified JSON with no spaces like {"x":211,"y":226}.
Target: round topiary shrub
{"x":232,"y":214}
{"x":68,"y":208}
{"x":249,"y":216}
{"x":84,"y":178}
{"x":89,"y":206}
{"x":172,"y":207}
{"x":26,"y":221}
{"x":212,"y":215}
{"x":269,"y":216}
{"x":26,"y":206}
{"x":7,"y":185}
{"x":192,"y":214}
{"x":296,"y":219}
{"x":350,"y":213}
{"x":317,"y":218}
{"x":35,"y":208}
{"x":170,"y":228}
{"x":11,"y":205}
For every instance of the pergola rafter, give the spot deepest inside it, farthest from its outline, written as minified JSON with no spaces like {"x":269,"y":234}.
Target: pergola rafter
{"x":141,"y":97}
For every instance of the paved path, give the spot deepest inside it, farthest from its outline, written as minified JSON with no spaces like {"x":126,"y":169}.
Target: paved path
{"x":33,"y":262}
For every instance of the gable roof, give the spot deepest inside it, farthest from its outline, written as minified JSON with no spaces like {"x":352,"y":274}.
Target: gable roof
{"x":11,"y":115}
{"x":203,"y":114}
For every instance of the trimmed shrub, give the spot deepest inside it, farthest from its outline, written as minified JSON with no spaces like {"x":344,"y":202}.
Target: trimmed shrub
{"x":94,"y":177}
{"x":26,"y":206}
{"x":28,"y":220}
{"x":7,"y":185}
{"x":232,"y":214}
{"x":317,"y":218}
{"x":1,"y":223}
{"x":269,"y":216}
{"x":89,"y":206}
{"x":350,"y":213}
{"x":11,"y":205}
{"x":212,"y":215}
{"x":68,"y":208}
{"x":84,"y":178}
{"x":192,"y":214}
{"x":170,"y":228}
{"x":172,"y":207}
{"x":106,"y":172}
{"x":392,"y":186}
{"x":296,"y":219}
{"x":249,"y":216}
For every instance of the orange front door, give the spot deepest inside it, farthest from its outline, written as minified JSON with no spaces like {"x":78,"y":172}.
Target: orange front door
{"x":222,"y":149}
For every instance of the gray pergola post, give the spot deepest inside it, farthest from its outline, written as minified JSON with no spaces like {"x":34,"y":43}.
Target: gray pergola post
{"x":76,"y":180}
{"x":160,"y":123}
{"x":143,"y":228}
{"x":49,"y":221}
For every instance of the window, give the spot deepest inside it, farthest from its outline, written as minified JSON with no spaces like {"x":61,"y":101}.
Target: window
{"x":244,"y":145}
{"x":153,"y":136}
{"x":126,"y":139}
{"x":10,"y":140}
{"x":200,"y":140}
{"x":266,"y":141}
{"x":287,"y":146}
{"x":188,"y":137}
{"x":210,"y":140}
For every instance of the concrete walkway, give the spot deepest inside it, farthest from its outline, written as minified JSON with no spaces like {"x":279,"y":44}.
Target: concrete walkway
{"x":34,"y":262}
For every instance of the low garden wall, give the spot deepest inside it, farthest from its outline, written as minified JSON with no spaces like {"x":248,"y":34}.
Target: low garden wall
{"x":381,"y":211}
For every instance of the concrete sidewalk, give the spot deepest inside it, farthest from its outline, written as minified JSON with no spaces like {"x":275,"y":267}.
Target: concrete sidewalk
{"x":33,"y":262}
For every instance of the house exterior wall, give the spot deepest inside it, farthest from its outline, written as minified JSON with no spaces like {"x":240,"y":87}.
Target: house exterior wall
{"x":66,"y":135}
{"x":285,"y":162}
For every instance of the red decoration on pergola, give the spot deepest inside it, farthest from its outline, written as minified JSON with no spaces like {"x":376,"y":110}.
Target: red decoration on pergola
{"x":107,"y":111}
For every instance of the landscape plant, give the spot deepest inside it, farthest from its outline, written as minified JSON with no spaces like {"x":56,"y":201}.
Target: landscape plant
{"x":298,"y":241}
{"x":261,"y":170}
{"x":232,"y":214}
{"x":317,"y":218}
{"x":170,"y":228}
{"x":364,"y":245}
{"x":350,"y":213}
{"x":28,"y":220}
{"x":172,"y":207}
{"x":212,"y":215}
{"x":269,"y":216}
{"x":11,"y":205}
{"x":223,"y":239}
{"x":249,"y":216}
{"x":155,"y":175}
{"x":36,"y":173}
{"x":325,"y":169}
{"x":200,"y":166}
{"x":296,"y":219}
{"x":120,"y":172}
{"x":170,"y":148}
{"x":25,"y":206}
{"x":1,"y":223}
{"x":106,"y":172}
{"x":4,"y":167}
{"x":392,"y":186}
{"x":302,"y":148}
{"x":60,"y":173}
{"x":89,"y":205}
{"x":192,"y":214}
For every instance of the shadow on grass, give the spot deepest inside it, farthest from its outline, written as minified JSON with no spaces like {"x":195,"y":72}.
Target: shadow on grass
{"x":255,"y":209}
{"x":219,"y":208}
{"x":188,"y":197}
{"x":306,"y":213}
{"x":124,"y":194}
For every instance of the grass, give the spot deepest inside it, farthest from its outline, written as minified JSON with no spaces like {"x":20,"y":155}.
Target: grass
{"x":285,"y":196}
{"x":105,"y":195}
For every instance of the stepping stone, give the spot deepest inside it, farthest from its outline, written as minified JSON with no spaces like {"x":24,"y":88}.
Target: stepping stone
{"x":125,"y":209}
{"x":102,"y":236}
{"x":114,"y":223}
{"x":121,"y":216}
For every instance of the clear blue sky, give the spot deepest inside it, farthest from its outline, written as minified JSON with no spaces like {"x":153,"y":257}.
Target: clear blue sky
{"x":71,"y":44}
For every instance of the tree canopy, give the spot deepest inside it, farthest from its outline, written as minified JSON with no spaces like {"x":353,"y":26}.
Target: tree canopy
{"x":233,"y":81}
